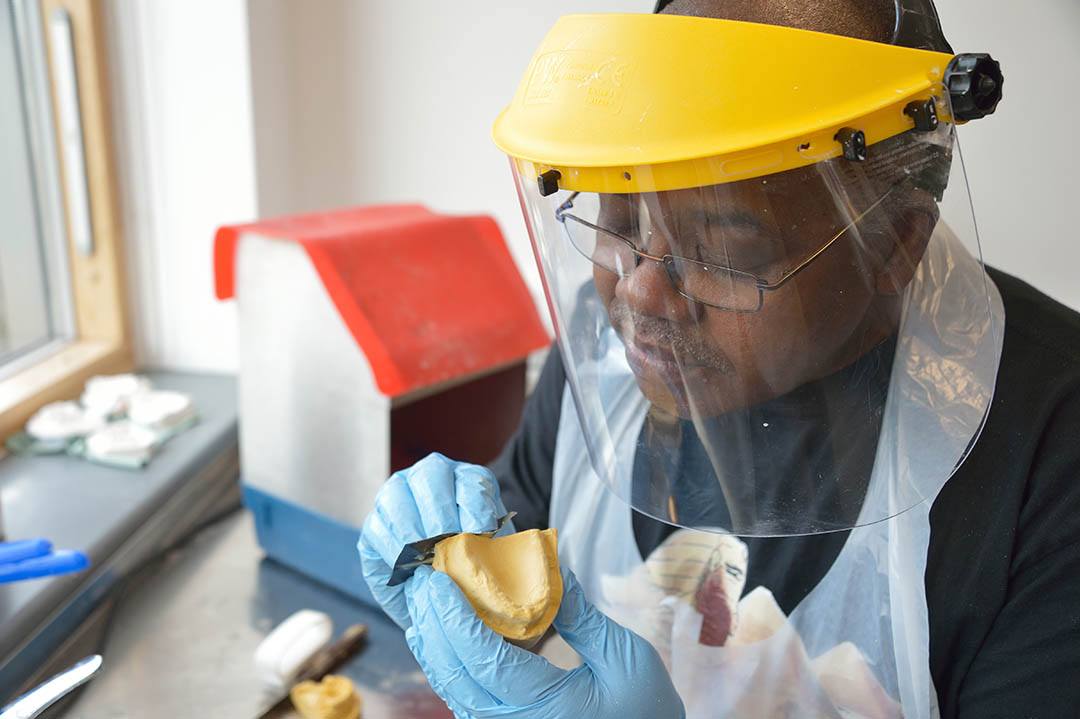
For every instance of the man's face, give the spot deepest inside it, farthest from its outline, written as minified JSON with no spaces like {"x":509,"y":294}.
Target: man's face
{"x":691,"y":359}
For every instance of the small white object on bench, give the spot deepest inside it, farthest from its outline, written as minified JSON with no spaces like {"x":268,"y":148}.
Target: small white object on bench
{"x":279,"y":657}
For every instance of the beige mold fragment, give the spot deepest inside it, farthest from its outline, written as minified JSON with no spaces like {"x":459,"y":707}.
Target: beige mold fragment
{"x":334,"y":697}
{"x":512,"y":582}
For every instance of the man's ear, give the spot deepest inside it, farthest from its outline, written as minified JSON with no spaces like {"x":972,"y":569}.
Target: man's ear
{"x":913,"y":232}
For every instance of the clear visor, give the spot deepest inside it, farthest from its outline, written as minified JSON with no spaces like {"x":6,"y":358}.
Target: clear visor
{"x":740,"y":354}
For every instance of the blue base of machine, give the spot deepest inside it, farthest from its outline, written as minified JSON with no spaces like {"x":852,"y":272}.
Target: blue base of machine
{"x":308,"y":541}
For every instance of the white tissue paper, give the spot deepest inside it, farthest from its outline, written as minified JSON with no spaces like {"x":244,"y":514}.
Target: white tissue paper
{"x":689,"y":595}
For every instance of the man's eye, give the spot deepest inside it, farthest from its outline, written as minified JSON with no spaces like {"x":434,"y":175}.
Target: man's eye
{"x":754,"y":260}
{"x":627,"y":230}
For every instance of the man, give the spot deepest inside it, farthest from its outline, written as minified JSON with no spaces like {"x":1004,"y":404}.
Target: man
{"x":779,"y":332}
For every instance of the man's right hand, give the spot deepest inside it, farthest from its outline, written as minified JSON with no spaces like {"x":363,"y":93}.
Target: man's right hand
{"x":434,"y":496}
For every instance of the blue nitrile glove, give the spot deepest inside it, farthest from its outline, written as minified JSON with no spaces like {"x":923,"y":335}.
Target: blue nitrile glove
{"x":434,"y":496}
{"x":479,"y":674}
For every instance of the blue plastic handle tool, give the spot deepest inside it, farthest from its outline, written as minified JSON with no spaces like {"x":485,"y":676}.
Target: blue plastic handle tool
{"x":24,"y":549}
{"x":62,"y":562}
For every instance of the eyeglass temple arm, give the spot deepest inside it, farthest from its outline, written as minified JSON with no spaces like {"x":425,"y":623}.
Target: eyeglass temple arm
{"x":798,"y":268}
{"x":561,"y":209}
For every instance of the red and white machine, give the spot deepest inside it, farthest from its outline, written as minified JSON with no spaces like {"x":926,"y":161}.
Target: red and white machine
{"x":369,"y":337}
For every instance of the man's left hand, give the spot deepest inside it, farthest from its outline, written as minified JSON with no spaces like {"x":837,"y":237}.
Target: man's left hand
{"x":479,"y":674}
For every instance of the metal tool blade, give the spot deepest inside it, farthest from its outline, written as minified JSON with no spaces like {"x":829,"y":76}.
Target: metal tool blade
{"x":37,"y":700}
{"x":422,"y":552}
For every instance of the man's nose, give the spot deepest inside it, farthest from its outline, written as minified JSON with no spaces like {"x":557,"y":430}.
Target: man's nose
{"x":648,"y":290}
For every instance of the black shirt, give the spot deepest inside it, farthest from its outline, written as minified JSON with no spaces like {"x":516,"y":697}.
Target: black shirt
{"x":1003,"y":570}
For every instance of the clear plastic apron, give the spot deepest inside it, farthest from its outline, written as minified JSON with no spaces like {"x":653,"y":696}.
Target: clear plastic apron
{"x":858,"y":644}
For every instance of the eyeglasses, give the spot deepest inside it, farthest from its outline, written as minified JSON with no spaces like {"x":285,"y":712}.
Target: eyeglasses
{"x":706,"y":283}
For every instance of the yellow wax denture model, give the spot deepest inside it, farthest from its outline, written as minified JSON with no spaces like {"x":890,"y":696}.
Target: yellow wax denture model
{"x":333,"y":698}
{"x":512,"y":582}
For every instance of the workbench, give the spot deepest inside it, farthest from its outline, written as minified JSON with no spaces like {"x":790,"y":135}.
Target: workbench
{"x":179,"y":593}
{"x":182,"y":639}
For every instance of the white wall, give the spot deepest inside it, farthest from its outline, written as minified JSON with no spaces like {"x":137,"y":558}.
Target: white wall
{"x":1023,"y":162}
{"x":370,"y":102}
{"x":304,"y":89}
{"x":182,"y":115}
{"x":356,"y":101}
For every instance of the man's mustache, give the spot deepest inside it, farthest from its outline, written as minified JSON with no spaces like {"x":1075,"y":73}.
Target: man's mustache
{"x":687,"y":349}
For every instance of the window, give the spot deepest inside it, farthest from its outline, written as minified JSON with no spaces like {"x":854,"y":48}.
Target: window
{"x":35,"y":307}
{"x":61,"y":301}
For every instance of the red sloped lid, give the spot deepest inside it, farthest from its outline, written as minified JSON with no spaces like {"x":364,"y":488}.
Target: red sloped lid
{"x":427,"y":297}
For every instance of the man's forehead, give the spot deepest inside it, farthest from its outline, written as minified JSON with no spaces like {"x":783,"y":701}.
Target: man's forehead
{"x":865,"y":19}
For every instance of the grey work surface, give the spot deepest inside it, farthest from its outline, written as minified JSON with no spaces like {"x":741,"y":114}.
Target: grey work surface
{"x":118,"y":517}
{"x":181,"y":643}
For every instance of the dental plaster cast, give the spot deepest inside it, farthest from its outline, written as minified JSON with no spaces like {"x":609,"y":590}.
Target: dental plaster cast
{"x":160,"y":409}
{"x":121,"y":441}
{"x":512,"y":582}
{"x":334,"y":697}
{"x":61,"y":421}
{"x":110,"y":394}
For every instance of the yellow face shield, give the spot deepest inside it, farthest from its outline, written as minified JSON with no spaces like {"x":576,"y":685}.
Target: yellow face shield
{"x":762,"y":265}
{"x":646,"y":103}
